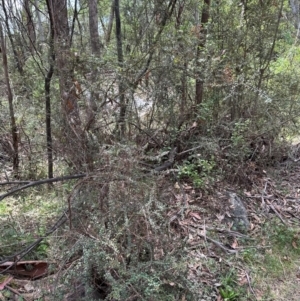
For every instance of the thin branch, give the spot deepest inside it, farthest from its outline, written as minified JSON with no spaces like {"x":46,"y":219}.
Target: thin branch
{"x":276,"y":212}
{"x":35,"y":183}
{"x":14,"y":182}
{"x":33,"y":245}
{"x":217,"y":243}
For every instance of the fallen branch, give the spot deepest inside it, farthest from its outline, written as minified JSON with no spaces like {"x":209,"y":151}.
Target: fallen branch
{"x":276,"y":212}
{"x":217,"y":243}
{"x":14,"y":182}
{"x":16,"y":292}
{"x":35,"y":183}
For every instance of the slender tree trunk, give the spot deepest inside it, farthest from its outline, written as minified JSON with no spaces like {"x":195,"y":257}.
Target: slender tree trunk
{"x":19,"y":64}
{"x":48,"y":120}
{"x":40,"y":29}
{"x":48,"y":78}
{"x":121,"y":127}
{"x":202,"y":31}
{"x":294,"y":4}
{"x":110,"y":22}
{"x":75,"y":17}
{"x":30,"y":26}
{"x":14,"y":129}
{"x":96,"y":51}
{"x":183,"y":78}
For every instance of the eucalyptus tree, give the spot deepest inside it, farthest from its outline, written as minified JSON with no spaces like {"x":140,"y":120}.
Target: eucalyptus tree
{"x":188,"y":61}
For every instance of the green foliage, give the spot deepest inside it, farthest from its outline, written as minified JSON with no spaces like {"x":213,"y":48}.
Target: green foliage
{"x":286,"y":238}
{"x":199,"y":171}
{"x":228,"y":289}
{"x":282,"y":248}
{"x":250,"y":73}
{"x":134,"y":252}
{"x":238,"y":134}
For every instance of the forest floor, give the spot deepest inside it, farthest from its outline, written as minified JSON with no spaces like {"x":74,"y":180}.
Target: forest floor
{"x":283,"y":280}
{"x":267,"y":266}
{"x":262,"y":265}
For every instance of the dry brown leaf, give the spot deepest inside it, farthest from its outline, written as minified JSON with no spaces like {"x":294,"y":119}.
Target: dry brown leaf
{"x":294,"y":244}
{"x":219,"y":298}
{"x":202,"y":232}
{"x":187,"y":187}
{"x":256,"y":217}
{"x":195,"y":215}
{"x":194,"y":124}
{"x":235,"y":244}
{"x":242,"y":278}
{"x":247,"y":193}
{"x":220,"y":217}
{"x":227,"y":213}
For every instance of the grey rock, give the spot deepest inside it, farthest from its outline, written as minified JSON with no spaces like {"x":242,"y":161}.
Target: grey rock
{"x":238,"y":213}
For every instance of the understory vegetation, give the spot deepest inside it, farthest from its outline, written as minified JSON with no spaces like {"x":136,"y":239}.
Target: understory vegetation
{"x":130,"y":131}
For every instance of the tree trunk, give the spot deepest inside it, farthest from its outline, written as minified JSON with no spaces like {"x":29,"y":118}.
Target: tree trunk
{"x":294,"y":4}
{"x":202,"y":31}
{"x":40,"y":29}
{"x":48,"y":78}
{"x":93,"y":25}
{"x":96,"y":51}
{"x":14,"y":129}
{"x":121,"y":127}
{"x":30,"y":27}
{"x":75,"y":140}
{"x":17,"y":56}
{"x":110,"y":22}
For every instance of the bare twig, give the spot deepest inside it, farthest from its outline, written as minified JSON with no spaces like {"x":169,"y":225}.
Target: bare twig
{"x":16,"y":292}
{"x":217,"y":243}
{"x":250,"y":286}
{"x":276,"y":212}
{"x":189,"y":150}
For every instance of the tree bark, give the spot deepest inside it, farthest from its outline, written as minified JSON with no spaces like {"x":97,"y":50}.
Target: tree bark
{"x":30,"y":26}
{"x":14,"y":128}
{"x":48,"y":78}
{"x":96,"y":51}
{"x":202,"y":31}
{"x":93,"y":25}
{"x":75,"y":141}
{"x":40,"y":29}
{"x":121,"y":127}
{"x":110,"y":22}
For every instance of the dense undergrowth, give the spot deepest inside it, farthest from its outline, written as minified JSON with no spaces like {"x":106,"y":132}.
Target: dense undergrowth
{"x":130,"y":232}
